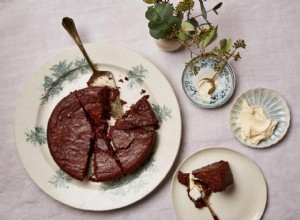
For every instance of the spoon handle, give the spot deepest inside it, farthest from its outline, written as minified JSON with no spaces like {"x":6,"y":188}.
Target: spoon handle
{"x":69,"y":25}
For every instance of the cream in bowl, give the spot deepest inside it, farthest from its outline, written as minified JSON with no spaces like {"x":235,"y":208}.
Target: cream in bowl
{"x":254,"y":123}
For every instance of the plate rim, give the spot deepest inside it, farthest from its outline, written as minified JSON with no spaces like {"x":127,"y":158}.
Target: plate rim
{"x":210,"y":106}
{"x":174,"y":177}
{"x":34,"y":74}
{"x":267,"y":145}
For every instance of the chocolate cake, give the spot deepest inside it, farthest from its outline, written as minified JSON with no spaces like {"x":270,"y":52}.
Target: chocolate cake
{"x":215,"y":177}
{"x":133,"y":147}
{"x":106,"y":165}
{"x":69,"y":135}
{"x":139,"y":115}
{"x":95,"y":102}
{"x":78,"y":131}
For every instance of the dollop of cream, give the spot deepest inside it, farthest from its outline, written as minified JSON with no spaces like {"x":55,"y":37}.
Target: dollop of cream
{"x":203,"y":87}
{"x":255,"y":125}
{"x":196,"y":191}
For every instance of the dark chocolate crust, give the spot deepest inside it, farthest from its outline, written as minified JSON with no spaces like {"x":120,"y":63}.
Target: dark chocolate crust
{"x":106,"y":166}
{"x":139,"y":115}
{"x":133,"y":147}
{"x":69,"y":134}
{"x":95,"y":102}
{"x":217,"y":176}
{"x":78,"y":127}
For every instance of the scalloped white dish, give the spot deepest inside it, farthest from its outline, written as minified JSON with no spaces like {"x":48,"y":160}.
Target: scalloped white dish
{"x":274,"y":106}
{"x":246,"y":199}
{"x":68,"y":71}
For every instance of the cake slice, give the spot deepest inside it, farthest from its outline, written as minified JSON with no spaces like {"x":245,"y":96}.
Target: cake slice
{"x":132,"y":147}
{"x":200,"y":183}
{"x":69,"y":134}
{"x":139,"y":115}
{"x":95,"y":102}
{"x":217,"y":176}
{"x":106,"y":166}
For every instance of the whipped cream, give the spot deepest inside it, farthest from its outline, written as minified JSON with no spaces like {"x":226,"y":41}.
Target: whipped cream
{"x":203,"y":87}
{"x":196,"y":191}
{"x":255,"y":125}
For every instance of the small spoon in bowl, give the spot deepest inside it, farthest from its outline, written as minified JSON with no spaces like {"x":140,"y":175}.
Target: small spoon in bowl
{"x":212,"y":82}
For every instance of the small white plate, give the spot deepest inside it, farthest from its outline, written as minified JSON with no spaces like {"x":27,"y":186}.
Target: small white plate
{"x":274,"y":107}
{"x":245,"y":199}
{"x":225,"y":83}
{"x":67,"y":72}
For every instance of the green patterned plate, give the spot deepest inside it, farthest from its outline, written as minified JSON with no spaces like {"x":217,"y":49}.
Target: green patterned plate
{"x":67,"y":72}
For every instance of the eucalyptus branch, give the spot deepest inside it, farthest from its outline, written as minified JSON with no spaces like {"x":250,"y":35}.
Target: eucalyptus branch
{"x":197,"y":16}
{"x":176,"y":21}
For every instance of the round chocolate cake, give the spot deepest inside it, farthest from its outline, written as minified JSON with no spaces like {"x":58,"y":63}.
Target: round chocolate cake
{"x":78,"y":132}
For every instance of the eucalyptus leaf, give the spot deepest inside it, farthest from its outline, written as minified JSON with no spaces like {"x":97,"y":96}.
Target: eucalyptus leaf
{"x":183,"y":36}
{"x":217,"y":7}
{"x":174,"y":21}
{"x":149,"y":1}
{"x":228,"y":45}
{"x":151,"y":14}
{"x":186,"y":26}
{"x":157,"y":34}
{"x":223,"y":43}
{"x":212,"y":36}
{"x":158,"y":25}
{"x":203,"y":10}
{"x":194,"y":22}
{"x":164,"y":11}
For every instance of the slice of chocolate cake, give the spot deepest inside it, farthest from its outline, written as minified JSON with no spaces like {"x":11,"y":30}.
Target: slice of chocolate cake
{"x":139,"y":115}
{"x":69,"y":134}
{"x":95,"y":102}
{"x":217,"y":176}
{"x":200,"y":183}
{"x":133,"y":147}
{"x":106,"y":166}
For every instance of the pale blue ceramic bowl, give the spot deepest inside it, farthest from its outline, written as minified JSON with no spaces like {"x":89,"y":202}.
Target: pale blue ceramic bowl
{"x":274,"y":107}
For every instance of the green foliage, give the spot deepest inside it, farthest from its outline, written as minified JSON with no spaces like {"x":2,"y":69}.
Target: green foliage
{"x":215,"y":9}
{"x":149,"y":1}
{"x":211,"y":37}
{"x":161,"y":20}
{"x":169,"y":21}
{"x":203,"y":10}
{"x":184,"y":6}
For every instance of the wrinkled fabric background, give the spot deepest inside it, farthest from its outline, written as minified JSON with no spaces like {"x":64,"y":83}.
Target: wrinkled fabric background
{"x":31,"y":32}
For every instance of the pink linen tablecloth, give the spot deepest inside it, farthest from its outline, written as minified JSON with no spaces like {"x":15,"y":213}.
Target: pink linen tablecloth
{"x":31,"y":32}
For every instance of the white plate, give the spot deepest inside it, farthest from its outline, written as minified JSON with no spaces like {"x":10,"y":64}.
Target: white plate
{"x":246,"y":199}
{"x":225,"y":83}
{"x":67,"y":72}
{"x":274,"y":107}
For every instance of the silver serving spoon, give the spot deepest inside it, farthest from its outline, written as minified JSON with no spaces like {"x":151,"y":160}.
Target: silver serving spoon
{"x":98,"y":78}
{"x":69,"y":25}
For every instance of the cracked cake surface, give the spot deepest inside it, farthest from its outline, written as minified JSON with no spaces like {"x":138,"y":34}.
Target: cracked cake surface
{"x":78,"y":132}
